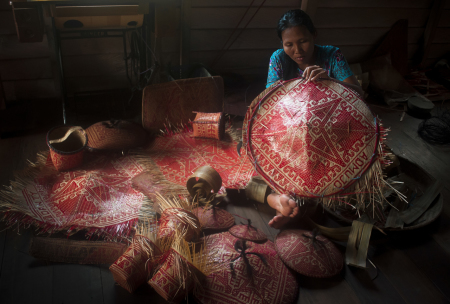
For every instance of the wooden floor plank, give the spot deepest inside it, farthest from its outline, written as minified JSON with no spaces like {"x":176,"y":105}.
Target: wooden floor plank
{"x":114,"y":293}
{"x":392,"y":264}
{"x":331,"y":290}
{"x":23,"y":278}
{"x":74,"y":283}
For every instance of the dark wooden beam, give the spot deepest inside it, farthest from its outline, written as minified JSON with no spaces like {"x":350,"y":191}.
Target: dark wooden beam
{"x":430,"y":30}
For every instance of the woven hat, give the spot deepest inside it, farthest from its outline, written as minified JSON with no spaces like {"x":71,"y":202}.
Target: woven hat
{"x":254,"y":273}
{"x":248,"y":232}
{"x":317,"y":140}
{"x":214,"y":217}
{"x":309,"y":254}
{"x":115,"y":135}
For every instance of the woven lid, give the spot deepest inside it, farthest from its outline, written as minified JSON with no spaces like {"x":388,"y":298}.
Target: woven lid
{"x":308,"y":254}
{"x":262,"y":279}
{"x":115,"y":135}
{"x":312,"y":140}
{"x":248,"y":232}
{"x":214,"y":218}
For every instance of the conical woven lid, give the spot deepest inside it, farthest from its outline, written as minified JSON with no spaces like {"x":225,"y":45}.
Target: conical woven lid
{"x":214,"y":218}
{"x":312,"y":140}
{"x":264,"y":279}
{"x":312,"y":256}
{"x":248,"y":232}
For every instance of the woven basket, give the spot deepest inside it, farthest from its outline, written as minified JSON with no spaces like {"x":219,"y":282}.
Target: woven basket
{"x":134,"y":267}
{"x":67,"y":145}
{"x":209,"y":125}
{"x":175,"y":278}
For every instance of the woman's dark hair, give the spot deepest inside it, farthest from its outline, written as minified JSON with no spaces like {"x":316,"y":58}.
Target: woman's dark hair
{"x":292,"y":18}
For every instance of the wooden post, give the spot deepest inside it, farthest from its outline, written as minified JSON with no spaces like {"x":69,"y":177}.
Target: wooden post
{"x":185,"y":32}
{"x":310,"y":7}
{"x":430,"y":30}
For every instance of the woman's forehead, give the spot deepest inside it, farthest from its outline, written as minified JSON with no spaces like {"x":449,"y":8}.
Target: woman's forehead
{"x":296,"y":33}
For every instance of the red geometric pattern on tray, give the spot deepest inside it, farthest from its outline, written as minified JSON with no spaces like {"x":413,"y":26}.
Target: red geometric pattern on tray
{"x":298,"y":252}
{"x":175,"y":278}
{"x":97,"y":196}
{"x":273,"y":282}
{"x":214,"y":219}
{"x":313,"y":139}
{"x":132,"y":268}
{"x":208,"y":125}
{"x":249,"y":233}
{"x":115,"y":135}
{"x":64,"y":162}
{"x":178,"y":157}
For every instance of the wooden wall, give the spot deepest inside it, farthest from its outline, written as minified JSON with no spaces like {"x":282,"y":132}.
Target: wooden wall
{"x":27,"y":71}
{"x":25,"y":68}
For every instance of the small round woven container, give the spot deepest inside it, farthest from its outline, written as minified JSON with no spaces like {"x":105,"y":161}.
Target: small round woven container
{"x":175,"y":278}
{"x":214,"y":218}
{"x":178,"y":219}
{"x":312,"y":256}
{"x":68,"y":152}
{"x":133,"y":268}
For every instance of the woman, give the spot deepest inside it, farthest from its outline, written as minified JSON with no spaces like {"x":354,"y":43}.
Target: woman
{"x":300,"y":57}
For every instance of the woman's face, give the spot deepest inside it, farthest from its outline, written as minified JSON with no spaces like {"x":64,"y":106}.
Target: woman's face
{"x":298,"y":43}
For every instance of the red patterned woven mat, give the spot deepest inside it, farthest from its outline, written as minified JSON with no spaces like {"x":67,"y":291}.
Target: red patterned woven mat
{"x":313,"y":140}
{"x":97,"y":197}
{"x":178,"y":156}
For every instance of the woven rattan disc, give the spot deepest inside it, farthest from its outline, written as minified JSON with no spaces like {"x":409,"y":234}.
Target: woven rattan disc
{"x":319,"y":259}
{"x":312,"y":140}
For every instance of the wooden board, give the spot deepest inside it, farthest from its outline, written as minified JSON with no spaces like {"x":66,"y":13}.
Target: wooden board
{"x":7,"y":25}
{"x":89,"y":46}
{"x":444,"y":21}
{"x":26,"y":69}
{"x":228,"y":18}
{"x":369,"y":17}
{"x":245,"y":3}
{"x":11,"y":48}
{"x":204,"y":40}
{"x":378,"y":3}
{"x":29,"y":89}
{"x":94,"y":83}
{"x":442,"y":35}
{"x":93,"y":65}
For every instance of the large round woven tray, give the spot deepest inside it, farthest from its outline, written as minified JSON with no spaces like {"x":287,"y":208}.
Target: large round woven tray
{"x":311,"y":140}
{"x":416,"y":177}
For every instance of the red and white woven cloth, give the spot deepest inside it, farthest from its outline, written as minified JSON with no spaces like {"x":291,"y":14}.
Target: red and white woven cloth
{"x":178,"y":156}
{"x":97,"y":197}
{"x":311,"y":140}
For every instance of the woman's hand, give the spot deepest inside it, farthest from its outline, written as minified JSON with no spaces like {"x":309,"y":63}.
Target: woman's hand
{"x":313,"y":73}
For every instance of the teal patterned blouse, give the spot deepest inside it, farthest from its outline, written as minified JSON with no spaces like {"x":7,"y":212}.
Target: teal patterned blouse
{"x":328,"y":57}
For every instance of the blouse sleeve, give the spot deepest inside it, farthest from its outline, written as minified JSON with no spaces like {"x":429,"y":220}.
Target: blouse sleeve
{"x":339,"y":66}
{"x":275,"y":69}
